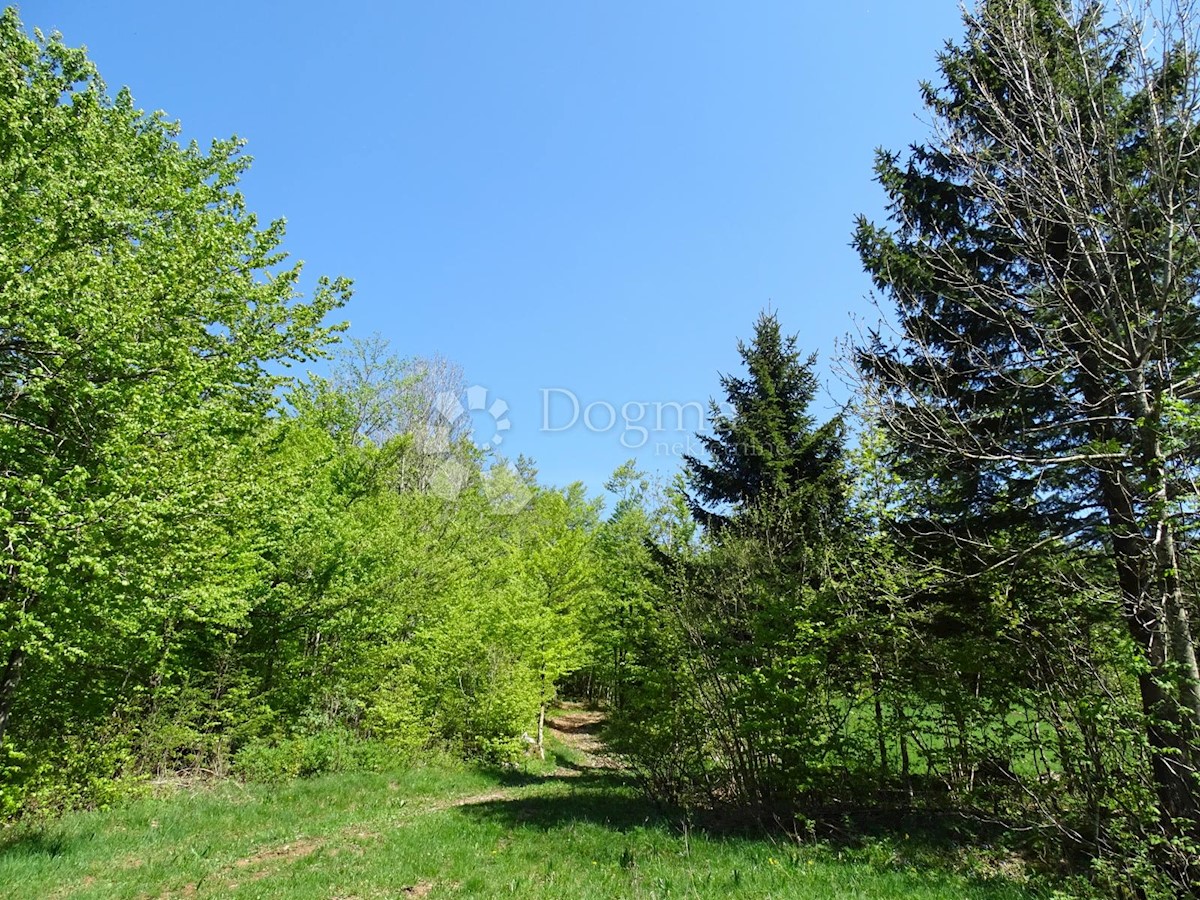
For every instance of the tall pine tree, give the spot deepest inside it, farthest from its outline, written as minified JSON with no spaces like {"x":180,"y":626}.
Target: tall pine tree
{"x":769,"y":460}
{"x":1043,"y":256}
{"x":751,"y":607}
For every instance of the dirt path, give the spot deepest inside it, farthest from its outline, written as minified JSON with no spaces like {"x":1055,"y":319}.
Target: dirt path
{"x":574,"y":725}
{"x":579,"y":728}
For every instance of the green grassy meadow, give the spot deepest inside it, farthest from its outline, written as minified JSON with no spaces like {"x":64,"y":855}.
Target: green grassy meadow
{"x":445,"y":830}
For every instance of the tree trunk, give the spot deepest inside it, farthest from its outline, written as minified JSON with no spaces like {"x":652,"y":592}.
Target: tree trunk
{"x":8,"y":687}
{"x":541,"y":731}
{"x":1171,"y":750}
{"x":1179,"y":630}
{"x":879,"y":730}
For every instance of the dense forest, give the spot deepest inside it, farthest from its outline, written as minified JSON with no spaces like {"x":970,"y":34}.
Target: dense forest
{"x":970,"y":594}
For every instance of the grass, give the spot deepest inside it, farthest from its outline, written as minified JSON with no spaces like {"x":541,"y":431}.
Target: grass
{"x":447,"y":831}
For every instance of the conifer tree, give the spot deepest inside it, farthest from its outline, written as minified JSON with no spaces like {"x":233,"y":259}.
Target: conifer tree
{"x":768,"y":457}
{"x":751,"y":607}
{"x":1043,"y":255}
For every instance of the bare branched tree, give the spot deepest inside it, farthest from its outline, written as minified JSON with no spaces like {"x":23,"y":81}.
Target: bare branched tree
{"x":374,"y":397}
{"x":1043,"y":257}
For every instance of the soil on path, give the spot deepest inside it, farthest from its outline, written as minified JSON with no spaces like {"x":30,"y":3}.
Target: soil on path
{"x":579,"y":728}
{"x":576,"y":726}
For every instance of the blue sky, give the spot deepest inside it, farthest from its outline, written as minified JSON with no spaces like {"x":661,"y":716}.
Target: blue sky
{"x":591,"y":199}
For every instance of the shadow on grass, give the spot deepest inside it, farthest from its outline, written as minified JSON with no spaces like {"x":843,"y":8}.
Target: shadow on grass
{"x":30,"y":842}
{"x":599,"y":798}
{"x":611,"y":799}
{"x":560,"y":771}
{"x":558,"y":762}
{"x":929,"y":844}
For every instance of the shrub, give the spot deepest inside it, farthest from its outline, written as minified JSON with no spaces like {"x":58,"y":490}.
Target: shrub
{"x":328,"y":751}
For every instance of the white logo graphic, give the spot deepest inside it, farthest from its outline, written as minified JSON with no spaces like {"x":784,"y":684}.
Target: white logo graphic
{"x":450,"y":407}
{"x":505,"y":490}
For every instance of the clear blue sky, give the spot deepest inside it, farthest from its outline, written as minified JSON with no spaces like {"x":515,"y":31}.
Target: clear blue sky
{"x":594,"y":197}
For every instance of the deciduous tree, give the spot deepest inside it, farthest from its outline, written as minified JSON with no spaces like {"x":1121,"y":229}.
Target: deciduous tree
{"x":1043,"y":257}
{"x":143,"y":311}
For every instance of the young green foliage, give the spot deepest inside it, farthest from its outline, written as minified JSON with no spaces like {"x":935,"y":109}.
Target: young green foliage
{"x":145,"y":312}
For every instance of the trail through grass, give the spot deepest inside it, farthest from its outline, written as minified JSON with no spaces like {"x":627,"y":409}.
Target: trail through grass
{"x":576,"y":830}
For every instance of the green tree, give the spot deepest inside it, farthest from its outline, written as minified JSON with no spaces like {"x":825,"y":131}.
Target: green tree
{"x":1043,"y":256}
{"x":750,"y":609}
{"x":144,"y":312}
{"x":767,"y":452}
{"x":622,"y":548}
{"x":554,"y":565}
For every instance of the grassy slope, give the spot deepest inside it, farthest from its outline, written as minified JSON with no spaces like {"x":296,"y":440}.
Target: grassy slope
{"x":440,"y":832}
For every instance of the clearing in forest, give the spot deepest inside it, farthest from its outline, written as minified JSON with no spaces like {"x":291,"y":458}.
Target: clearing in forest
{"x":578,"y":830}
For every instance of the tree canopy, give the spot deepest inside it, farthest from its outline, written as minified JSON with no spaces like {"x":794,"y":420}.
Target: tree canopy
{"x":1042,"y":257}
{"x":969,"y":596}
{"x":144,"y":312}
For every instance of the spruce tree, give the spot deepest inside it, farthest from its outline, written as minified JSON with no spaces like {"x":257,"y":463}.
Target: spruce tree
{"x":768,"y":459}
{"x":1043,"y":255}
{"x":751,"y":607}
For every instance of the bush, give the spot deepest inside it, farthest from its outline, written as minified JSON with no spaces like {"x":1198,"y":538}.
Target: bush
{"x":74,"y":774}
{"x":394,"y":716}
{"x":328,"y":751}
